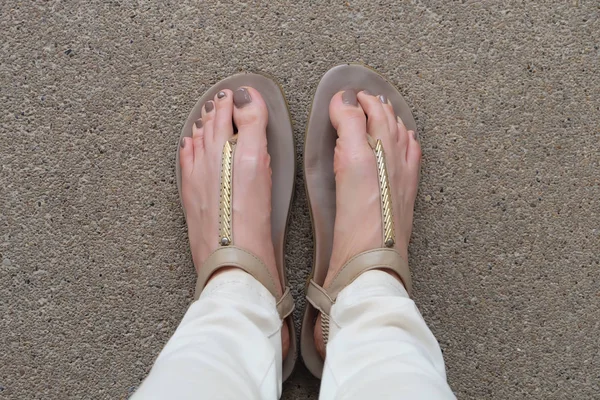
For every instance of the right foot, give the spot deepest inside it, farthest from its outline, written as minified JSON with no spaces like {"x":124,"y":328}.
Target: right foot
{"x":200,"y":159}
{"x":358,"y":225}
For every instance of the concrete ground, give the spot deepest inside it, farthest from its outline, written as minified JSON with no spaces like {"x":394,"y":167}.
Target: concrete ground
{"x":94,"y":261}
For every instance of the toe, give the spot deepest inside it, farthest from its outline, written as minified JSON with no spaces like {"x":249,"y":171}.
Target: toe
{"x":197,"y":128}
{"x":250,"y":116}
{"x":223,"y":121}
{"x":198,"y":133}
{"x":186,"y":155}
{"x":403,"y":135}
{"x":413,"y":152}
{"x":348,"y":117}
{"x":208,"y":119}
{"x":388,"y":108}
{"x":377,"y":119}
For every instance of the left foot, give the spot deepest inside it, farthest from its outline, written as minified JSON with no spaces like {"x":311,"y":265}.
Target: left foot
{"x":200,"y":159}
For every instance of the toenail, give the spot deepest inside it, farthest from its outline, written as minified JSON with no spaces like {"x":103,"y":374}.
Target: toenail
{"x":241,"y":97}
{"x":382,"y":99}
{"x":198,"y":123}
{"x":414,"y":135}
{"x":349,"y":97}
{"x":366,"y":92}
{"x":209,"y":106}
{"x":221,"y":95}
{"x":182,"y":142}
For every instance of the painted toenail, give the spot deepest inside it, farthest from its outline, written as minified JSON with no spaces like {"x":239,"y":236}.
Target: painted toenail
{"x":209,"y":106}
{"x":182,"y":142}
{"x":198,"y":123}
{"x":414,"y":135}
{"x":241,"y":97}
{"x":221,"y":95}
{"x":349,"y":97}
{"x":366,"y":92}
{"x":382,"y":99}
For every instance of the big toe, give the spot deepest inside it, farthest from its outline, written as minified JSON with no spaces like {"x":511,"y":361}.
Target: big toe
{"x":250,"y":116}
{"x":348,"y":117}
{"x":352,"y":150}
{"x":381,"y":121}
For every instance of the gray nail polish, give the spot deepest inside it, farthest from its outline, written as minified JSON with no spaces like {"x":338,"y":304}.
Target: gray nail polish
{"x":209,"y":106}
{"x":349,"y":97}
{"x":241,"y":97}
{"x":182,"y":142}
{"x":382,"y":99}
{"x":198,"y":124}
{"x":366,"y":92}
{"x":221,"y":95}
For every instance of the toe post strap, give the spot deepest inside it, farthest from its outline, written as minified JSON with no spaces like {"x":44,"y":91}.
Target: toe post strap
{"x":228,"y":255}
{"x":386,"y":257}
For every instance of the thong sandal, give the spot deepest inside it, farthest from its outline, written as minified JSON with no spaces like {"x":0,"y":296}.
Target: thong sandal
{"x":280,"y":145}
{"x":320,"y":186}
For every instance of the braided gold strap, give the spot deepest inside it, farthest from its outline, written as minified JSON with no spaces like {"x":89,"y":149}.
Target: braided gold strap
{"x":226,"y":195}
{"x":387,"y":215}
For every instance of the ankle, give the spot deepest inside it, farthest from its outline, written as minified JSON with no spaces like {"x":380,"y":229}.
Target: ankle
{"x":393,"y":275}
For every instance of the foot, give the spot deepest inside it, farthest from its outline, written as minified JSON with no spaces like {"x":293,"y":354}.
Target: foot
{"x":200,"y":159}
{"x":358,"y":224}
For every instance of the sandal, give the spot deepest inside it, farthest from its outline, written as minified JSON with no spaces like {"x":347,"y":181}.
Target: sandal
{"x":319,"y":148}
{"x":281,"y":149}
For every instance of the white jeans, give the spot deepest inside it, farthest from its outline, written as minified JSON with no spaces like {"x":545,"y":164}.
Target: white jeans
{"x":228,"y":346}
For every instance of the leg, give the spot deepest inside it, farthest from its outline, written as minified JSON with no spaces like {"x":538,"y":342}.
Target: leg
{"x":231,"y":342}
{"x":228,"y":345}
{"x":379,"y":345}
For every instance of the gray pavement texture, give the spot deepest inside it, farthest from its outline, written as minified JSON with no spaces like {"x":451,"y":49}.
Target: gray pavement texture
{"x":95,"y":268}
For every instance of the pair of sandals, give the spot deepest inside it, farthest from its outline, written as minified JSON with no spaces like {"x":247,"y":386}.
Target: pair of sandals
{"x":320,"y":143}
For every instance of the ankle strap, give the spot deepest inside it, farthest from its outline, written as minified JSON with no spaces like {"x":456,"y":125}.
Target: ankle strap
{"x":388,"y":259}
{"x":231,"y":256}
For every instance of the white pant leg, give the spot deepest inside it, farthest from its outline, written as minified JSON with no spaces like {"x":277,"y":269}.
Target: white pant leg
{"x":228,"y":346}
{"x":380,"y":347}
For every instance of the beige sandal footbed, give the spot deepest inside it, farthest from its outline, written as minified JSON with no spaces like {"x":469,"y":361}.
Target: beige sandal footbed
{"x":280,"y":145}
{"x":319,"y":148}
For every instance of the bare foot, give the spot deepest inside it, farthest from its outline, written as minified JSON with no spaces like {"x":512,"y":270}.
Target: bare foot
{"x":200,"y":159}
{"x":358,"y":225}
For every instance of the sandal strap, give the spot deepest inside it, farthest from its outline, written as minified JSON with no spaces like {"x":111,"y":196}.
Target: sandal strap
{"x":318,"y":297}
{"x":383,"y":258}
{"x":388,"y":259}
{"x":229,"y":255}
{"x":285,"y":305}
{"x":232,"y":256}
